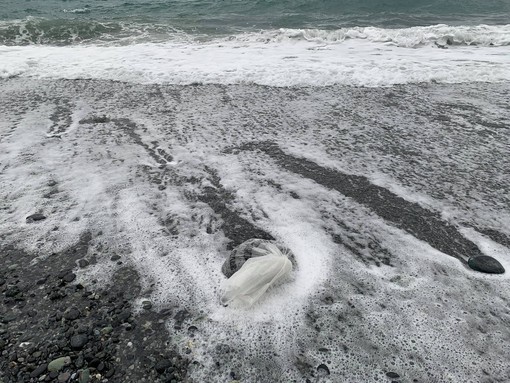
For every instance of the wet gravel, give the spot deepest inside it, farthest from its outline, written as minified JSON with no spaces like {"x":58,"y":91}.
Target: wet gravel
{"x":55,"y":330}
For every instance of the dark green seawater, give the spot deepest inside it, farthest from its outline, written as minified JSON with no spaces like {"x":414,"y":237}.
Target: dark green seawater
{"x":62,"y":22}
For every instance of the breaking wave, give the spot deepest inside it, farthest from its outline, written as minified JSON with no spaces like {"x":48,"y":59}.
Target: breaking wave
{"x":41,"y":31}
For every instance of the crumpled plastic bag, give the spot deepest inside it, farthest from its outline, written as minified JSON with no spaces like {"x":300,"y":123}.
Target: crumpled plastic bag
{"x":251,"y":248}
{"x":269,"y":268}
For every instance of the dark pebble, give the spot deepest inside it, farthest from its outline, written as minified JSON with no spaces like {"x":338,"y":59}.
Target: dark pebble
{"x":78,"y":341}
{"x":162,"y":365}
{"x":69,"y":277}
{"x":124,"y":316}
{"x":109,"y":373}
{"x":63,"y":273}
{"x":115,"y":257}
{"x":486,"y":264}
{"x":9,"y":318}
{"x":39,"y":370}
{"x":82,"y":263}
{"x":12,"y":292}
{"x":72,"y":314}
{"x":56,"y":295}
{"x":35,"y":217}
{"x":392,"y":375}
{"x":322,"y":368}
{"x":32,"y":313}
{"x":146,"y":305}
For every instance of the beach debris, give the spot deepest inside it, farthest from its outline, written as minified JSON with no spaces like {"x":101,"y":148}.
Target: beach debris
{"x":251,"y":248}
{"x":257,"y":265}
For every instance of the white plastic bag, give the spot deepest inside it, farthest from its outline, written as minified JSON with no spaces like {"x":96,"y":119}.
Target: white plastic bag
{"x":256,"y":275}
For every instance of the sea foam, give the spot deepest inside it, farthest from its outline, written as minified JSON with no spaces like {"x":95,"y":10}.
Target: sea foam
{"x":360,"y":57}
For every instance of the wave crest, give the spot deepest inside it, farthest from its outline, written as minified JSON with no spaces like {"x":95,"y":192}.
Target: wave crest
{"x":485,"y":35}
{"x":68,"y":32}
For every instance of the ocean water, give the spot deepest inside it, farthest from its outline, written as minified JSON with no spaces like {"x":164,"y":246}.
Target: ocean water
{"x":369,"y":137}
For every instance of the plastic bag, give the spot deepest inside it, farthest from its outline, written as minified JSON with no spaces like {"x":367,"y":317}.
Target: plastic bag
{"x":255,"y":276}
{"x":251,"y":248}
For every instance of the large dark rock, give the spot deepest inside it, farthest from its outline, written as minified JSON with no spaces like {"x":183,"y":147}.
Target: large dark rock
{"x":486,"y":264}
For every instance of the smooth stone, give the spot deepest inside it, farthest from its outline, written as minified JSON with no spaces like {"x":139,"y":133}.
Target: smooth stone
{"x":69,"y":277}
{"x":72,"y":314}
{"x":78,"y":341}
{"x":84,"y":376}
{"x":59,"y":363}
{"x":39,"y":370}
{"x":110,"y":373}
{"x":35,"y":217}
{"x":322,"y":368}
{"x":115,"y":257}
{"x":147,"y":305}
{"x":486,"y":264}
{"x":64,"y":377}
{"x":106,"y":330}
{"x":392,"y":375}
{"x":82,"y":263}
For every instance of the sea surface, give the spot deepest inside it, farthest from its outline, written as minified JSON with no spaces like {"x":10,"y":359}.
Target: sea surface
{"x":372,"y":138}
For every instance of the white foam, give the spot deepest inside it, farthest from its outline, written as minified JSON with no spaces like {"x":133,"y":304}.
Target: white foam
{"x":272,"y":58}
{"x":424,"y":307}
{"x":405,"y":37}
